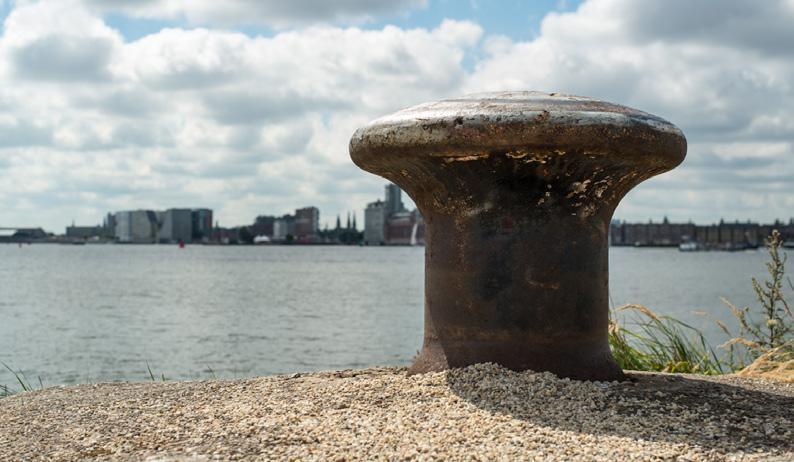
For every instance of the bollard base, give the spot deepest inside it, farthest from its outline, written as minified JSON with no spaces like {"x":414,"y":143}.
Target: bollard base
{"x":579,"y":362}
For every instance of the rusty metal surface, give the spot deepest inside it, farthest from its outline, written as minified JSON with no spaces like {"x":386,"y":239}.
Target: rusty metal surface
{"x":517,"y":191}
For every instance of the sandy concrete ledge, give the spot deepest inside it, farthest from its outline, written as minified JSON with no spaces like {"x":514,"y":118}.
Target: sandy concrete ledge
{"x":479,"y":413}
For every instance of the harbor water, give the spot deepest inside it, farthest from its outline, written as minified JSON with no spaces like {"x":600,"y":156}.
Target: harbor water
{"x":75,"y":314}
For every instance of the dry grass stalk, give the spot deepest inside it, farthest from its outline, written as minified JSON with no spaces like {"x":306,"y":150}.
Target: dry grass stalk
{"x":777,"y":363}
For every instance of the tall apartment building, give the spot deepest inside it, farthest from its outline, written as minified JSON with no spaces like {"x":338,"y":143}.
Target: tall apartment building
{"x":307,"y":223}
{"x":283,"y":227}
{"x":137,"y":227}
{"x":176,"y":225}
{"x":374,"y":223}
{"x":201,"y":224}
{"x":393,"y":198}
{"x":170,"y":226}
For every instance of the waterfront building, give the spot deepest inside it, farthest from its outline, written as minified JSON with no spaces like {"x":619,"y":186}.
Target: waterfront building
{"x":374,"y":223}
{"x":263,"y":226}
{"x":201,"y":225}
{"x":399,"y":228}
{"x":176,"y":225}
{"x":393,"y":199}
{"x":405,"y":228}
{"x":84,"y":232}
{"x":724,"y":235}
{"x":109,"y":225}
{"x":21,"y":235}
{"x":389,"y":222}
{"x":307,"y":224}
{"x":169,"y":226}
{"x":284,"y":228}
{"x":137,"y":227}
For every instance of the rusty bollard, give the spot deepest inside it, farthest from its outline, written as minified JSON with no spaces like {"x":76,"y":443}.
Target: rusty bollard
{"x":517,"y":191}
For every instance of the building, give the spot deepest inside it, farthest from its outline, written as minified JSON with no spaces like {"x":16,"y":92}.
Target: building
{"x":201,"y":225}
{"x":389,"y":222}
{"x":109,"y":226}
{"x":85,"y":232}
{"x":137,"y":227}
{"x":393,"y":198}
{"x":307,"y":224}
{"x":374,"y":223}
{"x":263,"y":226}
{"x":22,"y":235}
{"x":284,"y":228}
{"x":724,"y":235}
{"x":176,"y":225}
{"x":149,"y":226}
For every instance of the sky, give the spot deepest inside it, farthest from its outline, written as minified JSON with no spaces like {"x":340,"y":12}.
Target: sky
{"x":247,"y":106}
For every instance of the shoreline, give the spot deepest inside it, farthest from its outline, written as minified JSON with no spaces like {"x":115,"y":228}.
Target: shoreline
{"x":483,"y":412}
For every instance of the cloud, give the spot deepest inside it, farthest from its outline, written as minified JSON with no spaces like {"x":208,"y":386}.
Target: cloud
{"x":248,"y":125}
{"x":201,"y":117}
{"x":276,"y":13}
{"x":57,"y":42}
{"x":721,"y":71}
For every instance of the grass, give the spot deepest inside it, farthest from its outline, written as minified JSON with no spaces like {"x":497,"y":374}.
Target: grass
{"x":21,"y":379}
{"x":764,"y":345}
{"x":151,"y":375}
{"x":660,"y":343}
{"x":24,"y":383}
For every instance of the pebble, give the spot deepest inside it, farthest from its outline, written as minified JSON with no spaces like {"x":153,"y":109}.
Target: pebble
{"x":482,"y":412}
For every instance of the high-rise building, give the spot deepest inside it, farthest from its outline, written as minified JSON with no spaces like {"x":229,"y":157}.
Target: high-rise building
{"x":201,"y":224}
{"x":176,"y":225}
{"x":283,"y":228}
{"x":307,"y":223}
{"x":374,"y":222}
{"x":394,"y":203}
{"x":137,"y":227}
{"x":172,"y":225}
{"x":110,"y":226}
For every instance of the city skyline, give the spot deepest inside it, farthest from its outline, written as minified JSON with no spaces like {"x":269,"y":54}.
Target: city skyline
{"x":330,"y":222}
{"x":123,"y":105}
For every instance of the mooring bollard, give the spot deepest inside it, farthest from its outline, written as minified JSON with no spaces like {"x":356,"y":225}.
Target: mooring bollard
{"x":517,"y":190}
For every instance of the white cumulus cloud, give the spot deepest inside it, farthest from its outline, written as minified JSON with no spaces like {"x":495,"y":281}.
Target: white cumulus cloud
{"x":202,"y":116}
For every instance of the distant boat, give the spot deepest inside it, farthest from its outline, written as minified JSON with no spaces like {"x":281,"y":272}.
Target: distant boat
{"x":789,"y":244}
{"x":688,"y":246}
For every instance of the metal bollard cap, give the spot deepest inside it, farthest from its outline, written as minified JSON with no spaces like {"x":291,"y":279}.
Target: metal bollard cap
{"x":523,"y":125}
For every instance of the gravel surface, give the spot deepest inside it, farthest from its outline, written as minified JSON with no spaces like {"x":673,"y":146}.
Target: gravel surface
{"x":482,"y":412}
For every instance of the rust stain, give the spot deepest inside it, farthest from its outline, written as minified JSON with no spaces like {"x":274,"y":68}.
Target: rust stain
{"x":449,"y":160}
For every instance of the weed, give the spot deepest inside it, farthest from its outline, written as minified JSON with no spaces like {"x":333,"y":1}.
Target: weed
{"x":775,"y":327}
{"x":660,"y":343}
{"x":21,"y":379}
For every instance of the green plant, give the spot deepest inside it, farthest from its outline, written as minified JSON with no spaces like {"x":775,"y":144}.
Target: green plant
{"x":151,"y":374}
{"x":660,"y":343}
{"x":775,"y":327}
{"x":21,"y":379}
{"x":5,"y":391}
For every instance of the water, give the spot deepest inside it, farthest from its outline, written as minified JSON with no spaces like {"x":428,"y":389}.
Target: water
{"x":72,"y":314}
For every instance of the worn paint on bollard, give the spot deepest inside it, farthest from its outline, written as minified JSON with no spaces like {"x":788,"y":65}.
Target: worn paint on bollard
{"x":517,"y":190}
